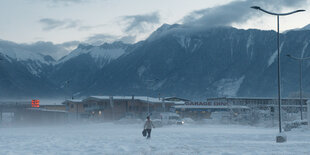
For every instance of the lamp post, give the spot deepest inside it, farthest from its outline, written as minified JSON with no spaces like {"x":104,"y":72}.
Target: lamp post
{"x":147,"y":98}
{"x":66,"y":85}
{"x":148,"y":105}
{"x":1,"y":58}
{"x":279,"y":71}
{"x":300,"y":80}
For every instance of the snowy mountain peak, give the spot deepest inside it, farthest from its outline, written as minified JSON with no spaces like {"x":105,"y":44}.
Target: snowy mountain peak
{"x":161,"y":31}
{"x":18,"y":52}
{"x":117,"y":44}
{"x":85,"y":46}
{"x":102,"y":54}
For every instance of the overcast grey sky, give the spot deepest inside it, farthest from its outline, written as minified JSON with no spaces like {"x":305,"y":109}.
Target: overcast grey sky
{"x":59,"y":21}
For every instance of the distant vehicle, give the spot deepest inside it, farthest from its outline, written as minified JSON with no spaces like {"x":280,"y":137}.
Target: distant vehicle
{"x":180,"y":122}
{"x":171,"y":118}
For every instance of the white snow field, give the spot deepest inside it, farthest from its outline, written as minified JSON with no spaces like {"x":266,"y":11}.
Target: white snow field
{"x":110,"y":138}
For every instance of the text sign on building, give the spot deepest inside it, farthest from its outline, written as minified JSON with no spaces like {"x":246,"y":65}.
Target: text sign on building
{"x":207,"y":103}
{"x":35,"y":103}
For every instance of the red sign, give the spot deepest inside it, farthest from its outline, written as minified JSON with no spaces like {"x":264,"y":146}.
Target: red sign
{"x":35,"y":103}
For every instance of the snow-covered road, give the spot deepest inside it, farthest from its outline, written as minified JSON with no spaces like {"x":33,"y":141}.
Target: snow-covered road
{"x":109,"y":138}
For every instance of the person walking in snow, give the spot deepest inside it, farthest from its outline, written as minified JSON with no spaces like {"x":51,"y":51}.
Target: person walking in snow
{"x":148,"y":126}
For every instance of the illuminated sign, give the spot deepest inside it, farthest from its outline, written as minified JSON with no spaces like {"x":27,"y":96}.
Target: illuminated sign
{"x":35,"y":103}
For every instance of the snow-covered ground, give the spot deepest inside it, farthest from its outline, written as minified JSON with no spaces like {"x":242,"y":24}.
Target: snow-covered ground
{"x":110,"y":138}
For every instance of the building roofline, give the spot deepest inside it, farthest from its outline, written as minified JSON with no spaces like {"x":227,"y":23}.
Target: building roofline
{"x":47,"y":110}
{"x":209,"y":107}
{"x":252,"y":98}
{"x":141,"y":98}
{"x":72,"y":101}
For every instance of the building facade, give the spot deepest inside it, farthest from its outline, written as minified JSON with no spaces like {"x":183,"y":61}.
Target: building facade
{"x":287,"y":104}
{"x":116,"y":107}
{"x":241,"y":106}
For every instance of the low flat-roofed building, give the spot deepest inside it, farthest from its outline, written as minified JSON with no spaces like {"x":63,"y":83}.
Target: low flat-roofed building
{"x":203,"y":110}
{"x":54,"y":107}
{"x":22,"y":112}
{"x":41,"y":116}
{"x":117,"y":107}
{"x":264,"y":103}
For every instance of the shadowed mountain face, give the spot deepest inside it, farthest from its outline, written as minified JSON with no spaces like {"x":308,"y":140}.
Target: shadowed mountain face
{"x":215,"y":62}
{"x":177,"y":61}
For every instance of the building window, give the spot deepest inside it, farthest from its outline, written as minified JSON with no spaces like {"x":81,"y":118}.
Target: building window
{"x":72,"y":106}
{"x":85,"y":105}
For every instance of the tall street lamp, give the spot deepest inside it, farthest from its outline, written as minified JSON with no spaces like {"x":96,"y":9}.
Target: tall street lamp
{"x":279,"y":71}
{"x":300,"y":76}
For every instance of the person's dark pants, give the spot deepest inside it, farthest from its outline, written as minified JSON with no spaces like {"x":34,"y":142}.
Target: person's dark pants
{"x":148,"y":133}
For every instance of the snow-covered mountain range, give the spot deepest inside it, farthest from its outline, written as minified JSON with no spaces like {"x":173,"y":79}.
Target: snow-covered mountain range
{"x":101,"y":54}
{"x":174,"y":61}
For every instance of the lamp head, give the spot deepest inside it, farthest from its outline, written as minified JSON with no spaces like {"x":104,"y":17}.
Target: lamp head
{"x":255,"y":7}
{"x":300,"y":10}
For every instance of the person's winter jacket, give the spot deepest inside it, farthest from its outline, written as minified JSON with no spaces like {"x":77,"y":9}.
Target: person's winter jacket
{"x":148,"y":125}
